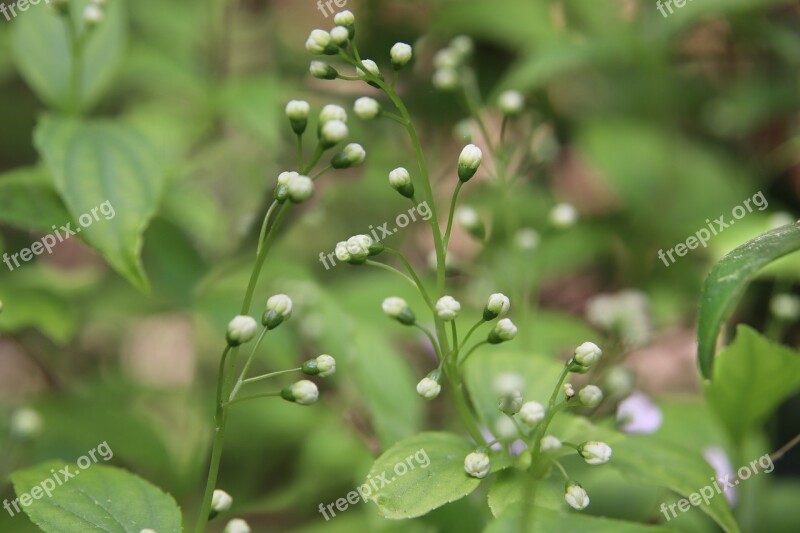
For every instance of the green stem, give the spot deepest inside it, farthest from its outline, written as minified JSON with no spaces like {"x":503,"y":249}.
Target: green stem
{"x":561,"y":468}
{"x":321,"y":172}
{"x":264,"y":226}
{"x":262,"y":256}
{"x":76,"y":44}
{"x":318,"y":151}
{"x":469,"y":352}
{"x":397,"y":118}
{"x":247,"y":364}
{"x":453,"y":203}
{"x":455,"y":335}
{"x":393,"y":270}
{"x":299,"y":150}
{"x":433,"y":341}
{"x":262,"y":377}
{"x":253,"y":397}
{"x":472,"y":330}
{"x":413,"y":274}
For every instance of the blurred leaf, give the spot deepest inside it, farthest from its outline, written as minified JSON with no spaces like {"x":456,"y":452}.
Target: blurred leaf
{"x":420,"y":489}
{"x":42,"y":52}
{"x":29,"y":201}
{"x":253,"y":104}
{"x":727,"y":281}
{"x":52,"y":314}
{"x":103,"y":498}
{"x":508,"y":487}
{"x":542,"y":519}
{"x":97,"y":162}
{"x":753,"y":377}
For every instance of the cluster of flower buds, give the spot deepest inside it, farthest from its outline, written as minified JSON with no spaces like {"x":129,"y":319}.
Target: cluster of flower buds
{"x":449,"y":61}
{"x":357,"y":249}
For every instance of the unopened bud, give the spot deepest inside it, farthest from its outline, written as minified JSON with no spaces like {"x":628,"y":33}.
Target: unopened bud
{"x":400,"y":180}
{"x":401,"y":54}
{"x":303,"y":392}
{"x":468,"y":162}
{"x":241,"y":330}
{"x":398,"y":309}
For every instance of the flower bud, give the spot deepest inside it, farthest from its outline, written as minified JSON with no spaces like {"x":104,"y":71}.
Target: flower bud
{"x":332,"y":133}
{"x":241,"y":329}
{"x":401,"y":54}
{"x":785,"y":306}
{"x":371,"y":67}
{"x":462,"y":46}
{"x":446,"y":79}
{"x":400,"y":180}
{"x":93,"y":15}
{"x":353,"y":155}
{"x":511,"y":403}
{"x":347,"y":19}
{"x":297,"y":112}
{"x":398,"y":309}
{"x":549,"y":444}
{"x":563,"y":216}
{"x":477,"y":464}
{"x":595,"y":453}
{"x":299,"y":189}
{"x":447,"y":308}
{"x":25,"y":423}
{"x":221,"y":501}
{"x":332,"y":112}
{"x":569,"y":391}
{"x":341,"y":252}
{"x":526,"y":239}
{"x":323,"y":71}
{"x":575,"y":496}
{"x":278,"y":310}
{"x":462,"y":131}
{"x":619,"y":381}
{"x":497,"y":306}
{"x":367,"y":108}
{"x":237,"y":525}
{"x":323,"y":366}
{"x":340,"y":35}
{"x":359,"y":248}
{"x":148,"y":530}
{"x":303,"y":392}
{"x":428,"y":388}
{"x":1,"y":306}
{"x":511,"y":103}
{"x":469,"y":219}
{"x":319,"y":42}
{"x":587,"y":354}
{"x":468,"y":162}
{"x":505,"y":330}
{"x":590,"y":396}
{"x":532,"y":413}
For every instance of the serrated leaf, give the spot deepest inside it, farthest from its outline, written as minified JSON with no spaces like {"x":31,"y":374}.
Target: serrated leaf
{"x":100,"y":498}
{"x":421,"y":490}
{"x":727,"y":281}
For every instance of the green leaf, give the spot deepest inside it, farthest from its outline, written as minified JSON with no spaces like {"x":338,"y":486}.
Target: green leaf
{"x":97,"y":162}
{"x":97,"y":498}
{"x":564,"y":522}
{"x":727,"y":281}
{"x":754,"y":376}
{"x":41,"y":50}
{"x":420,"y":490}
{"x":28,"y":200}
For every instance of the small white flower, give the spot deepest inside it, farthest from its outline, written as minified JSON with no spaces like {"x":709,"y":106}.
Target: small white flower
{"x":785,"y":306}
{"x":285,"y":177}
{"x":477,"y":464}
{"x":587,"y":354}
{"x":221,"y":501}
{"x":371,"y":67}
{"x":332,"y":133}
{"x":341,"y":252}
{"x":344,"y":18}
{"x":590,"y":396}
{"x":563,"y":215}
{"x":93,"y":15}
{"x":511,"y":403}
{"x":303,"y":392}
{"x":639,"y":414}
{"x":358,"y":246}
{"x":25,"y":423}
{"x":332,"y":112}
{"x":351,"y":155}
{"x":428,"y":388}
{"x":297,"y":110}
{"x":526,"y":239}
{"x":467,"y":216}
{"x":445,"y":79}
{"x":569,"y":390}
{"x":462,"y":46}
{"x":241,"y":329}
{"x":549,"y":444}
{"x":532,"y":413}
{"x":511,"y":103}
{"x":300,"y":188}
{"x":340,"y":35}
{"x":468,"y":162}
{"x":326,"y":365}
{"x":323,"y":71}
{"x":447,"y":308}
{"x":237,"y":525}
{"x":367,"y":108}
{"x":595,"y":453}
{"x":576,"y":497}
{"x":505,"y":330}
{"x":318,"y":42}
{"x":401,"y":54}
{"x":497,"y":306}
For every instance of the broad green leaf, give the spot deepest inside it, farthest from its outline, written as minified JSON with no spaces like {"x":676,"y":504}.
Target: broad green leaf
{"x":508,"y":487}
{"x":41,"y":50}
{"x":543,"y":519}
{"x":753,"y":377}
{"x":420,"y":489}
{"x":28,"y":200}
{"x":98,"y":498}
{"x":103,"y":163}
{"x":51,"y":313}
{"x":727,"y":281}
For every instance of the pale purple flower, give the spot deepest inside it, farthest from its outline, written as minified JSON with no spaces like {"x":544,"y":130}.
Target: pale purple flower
{"x":639,"y":414}
{"x":719,"y":461}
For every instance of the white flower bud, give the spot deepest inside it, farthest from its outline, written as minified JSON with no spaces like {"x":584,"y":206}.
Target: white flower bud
{"x":504,"y":330}
{"x":398,"y":309}
{"x":241,"y":329}
{"x":549,"y":444}
{"x":510,"y":404}
{"x":477,"y":464}
{"x":511,"y":103}
{"x":468,"y":162}
{"x":303,"y":392}
{"x":563,"y":216}
{"x":237,"y":525}
{"x":148,"y":530}
{"x":323,"y":366}
{"x":590,"y":396}
{"x":277,"y":311}
{"x":352,"y":155}
{"x":532,"y":413}
{"x":526,"y":239}
{"x":785,"y":306}
{"x":446,"y":79}
{"x":447,"y":308}
{"x":332,"y":133}
{"x":93,"y":15}
{"x":401,"y":54}
{"x":221,"y":501}
{"x":428,"y":388}
{"x":340,"y":35}
{"x":400,"y":180}
{"x":297,"y":112}
{"x":469,"y":219}
{"x":576,"y":497}
{"x":462,"y":46}
{"x":367,"y":108}
{"x":323,"y":71}
{"x":446,"y":59}
{"x":300,"y":188}
{"x":319,"y":42}
{"x":359,"y":248}
{"x":341,"y":252}
{"x":25,"y":423}
{"x":497,"y":306}
{"x":569,"y":391}
{"x":371,"y":67}
{"x":587,"y":354}
{"x":332,"y":112}
{"x":595,"y":453}
{"x":344,"y":18}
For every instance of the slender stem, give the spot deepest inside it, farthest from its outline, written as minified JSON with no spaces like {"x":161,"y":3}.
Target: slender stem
{"x":503,"y":127}
{"x":299,"y":151}
{"x":455,"y":336}
{"x":213,"y":472}
{"x":413,"y":274}
{"x":348,"y":78}
{"x":220,"y":379}
{"x":253,"y":397}
{"x":247,"y":364}
{"x":314,"y":159}
{"x":321,"y":172}
{"x":561,"y":468}
{"x":76,"y":44}
{"x":393,"y":270}
{"x":430,"y":336}
{"x":469,"y":352}
{"x":262,"y":377}
{"x":396,"y":118}
{"x":264,"y":226}
{"x":453,"y":203}
{"x":472,"y":330}
{"x":785,"y":448}
{"x":262,"y":256}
